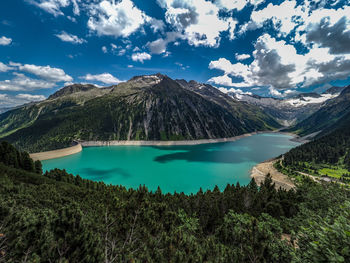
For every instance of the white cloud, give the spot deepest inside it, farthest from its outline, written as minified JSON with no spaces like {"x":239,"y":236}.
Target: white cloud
{"x":104,"y":49}
{"x":46,"y":72}
{"x":30,"y":97}
{"x":7,"y":100}
{"x":198,"y":21}
{"x":224,"y":80}
{"x":106,"y":78}
{"x":4,"y":68}
{"x":5,"y":41}
{"x":51,"y":6}
{"x":159,"y":46}
{"x":281,"y":94}
{"x":242,"y":56}
{"x":278,"y":65}
{"x":76,"y":9}
{"x":122,"y":52}
{"x":141,"y":57}
{"x":47,"y":77}
{"x":66,"y":37}
{"x":232,"y":4}
{"x":113,"y":46}
{"x":235,"y":91}
{"x":118,"y":20}
{"x":21,"y":82}
{"x":237,"y":4}
{"x":54,"y":7}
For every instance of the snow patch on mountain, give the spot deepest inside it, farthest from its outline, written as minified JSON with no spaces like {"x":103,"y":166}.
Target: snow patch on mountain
{"x":302,"y":101}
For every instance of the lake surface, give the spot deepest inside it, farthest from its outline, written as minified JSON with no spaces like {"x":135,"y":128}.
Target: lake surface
{"x":175,"y":168}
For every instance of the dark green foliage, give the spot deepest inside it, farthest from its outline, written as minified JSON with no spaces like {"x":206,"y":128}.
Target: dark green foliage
{"x":10,"y":156}
{"x":329,"y":149}
{"x":58,"y":217}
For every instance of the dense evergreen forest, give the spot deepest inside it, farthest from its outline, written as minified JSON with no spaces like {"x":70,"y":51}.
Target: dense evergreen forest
{"x":57,"y":217}
{"x":332,"y":149}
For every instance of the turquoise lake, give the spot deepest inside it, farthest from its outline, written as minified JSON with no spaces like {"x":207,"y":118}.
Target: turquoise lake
{"x":175,"y":168}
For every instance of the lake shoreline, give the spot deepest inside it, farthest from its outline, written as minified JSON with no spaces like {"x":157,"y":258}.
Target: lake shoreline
{"x":78,"y":147}
{"x":259,"y":172}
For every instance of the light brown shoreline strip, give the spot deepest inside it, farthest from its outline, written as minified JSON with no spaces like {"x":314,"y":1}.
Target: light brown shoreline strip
{"x":162,"y":143}
{"x":56,"y":153}
{"x":260,"y":171}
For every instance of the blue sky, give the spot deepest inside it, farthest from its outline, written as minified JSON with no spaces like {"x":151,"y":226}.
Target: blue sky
{"x":271,"y":48}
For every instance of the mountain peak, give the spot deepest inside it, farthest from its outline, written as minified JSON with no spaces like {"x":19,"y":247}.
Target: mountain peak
{"x":148,"y":78}
{"x":72,"y":89}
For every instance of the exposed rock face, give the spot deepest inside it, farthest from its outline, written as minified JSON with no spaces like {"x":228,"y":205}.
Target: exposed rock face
{"x":328,"y":118}
{"x":292,"y":110}
{"x":151,"y":107}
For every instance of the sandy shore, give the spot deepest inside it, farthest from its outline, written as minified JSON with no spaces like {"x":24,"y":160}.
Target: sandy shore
{"x":260,"y":171}
{"x":163,"y":143}
{"x":56,"y":153}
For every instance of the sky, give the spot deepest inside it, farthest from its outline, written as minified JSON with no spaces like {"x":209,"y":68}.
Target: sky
{"x":270,"y":48}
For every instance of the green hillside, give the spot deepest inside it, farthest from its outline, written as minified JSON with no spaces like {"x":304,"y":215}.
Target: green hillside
{"x":328,"y":155}
{"x":144,"y":108}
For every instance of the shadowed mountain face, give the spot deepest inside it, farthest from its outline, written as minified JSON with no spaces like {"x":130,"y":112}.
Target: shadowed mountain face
{"x":144,"y":108}
{"x":332,"y":115}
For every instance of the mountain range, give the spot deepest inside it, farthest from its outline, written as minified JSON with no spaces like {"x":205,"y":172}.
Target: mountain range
{"x":151,"y":107}
{"x":156,"y":107}
{"x":291,"y":110}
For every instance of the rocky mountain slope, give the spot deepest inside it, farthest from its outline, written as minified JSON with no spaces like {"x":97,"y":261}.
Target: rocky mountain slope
{"x":291,"y":110}
{"x":151,"y":107}
{"x":328,"y":118}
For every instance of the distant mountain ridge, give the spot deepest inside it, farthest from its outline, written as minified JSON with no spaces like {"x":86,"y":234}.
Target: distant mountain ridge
{"x":152,"y":107}
{"x":290,"y":111}
{"x":328,"y":118}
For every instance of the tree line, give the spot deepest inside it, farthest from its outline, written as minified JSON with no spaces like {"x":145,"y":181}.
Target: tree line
{"x":58,"y":217}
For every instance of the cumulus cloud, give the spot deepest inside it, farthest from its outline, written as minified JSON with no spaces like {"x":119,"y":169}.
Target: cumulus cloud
{"x":4,"y":68}
{"x":281,"y":94}
{"x":283,"y":16}
{"x":118,"y":19}
{"x":30,"y":97}
{"x":104,"y":49}
{"x":8,"y":101}
{"x":278,"y":65}
{"x":235,"y":91}
{"x":47,"y":77}
{"x":5,"y":41}
{"x":159,"y":46}
{"x":141,"y":57}
{"x":46,"y":72}
{"x":51,"y":6}
{"x":334,"y":36}
{"x":106,"y":78}
{"x":199,"y":21}
{"x":242,"y":56}
{"x":66,"y":37}
{"x":224,"y":80}
{"x":23,"y":83}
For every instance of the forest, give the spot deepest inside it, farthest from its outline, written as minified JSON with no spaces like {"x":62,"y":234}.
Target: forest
{"x":332,"y":149}
{"x":59,"y":217}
